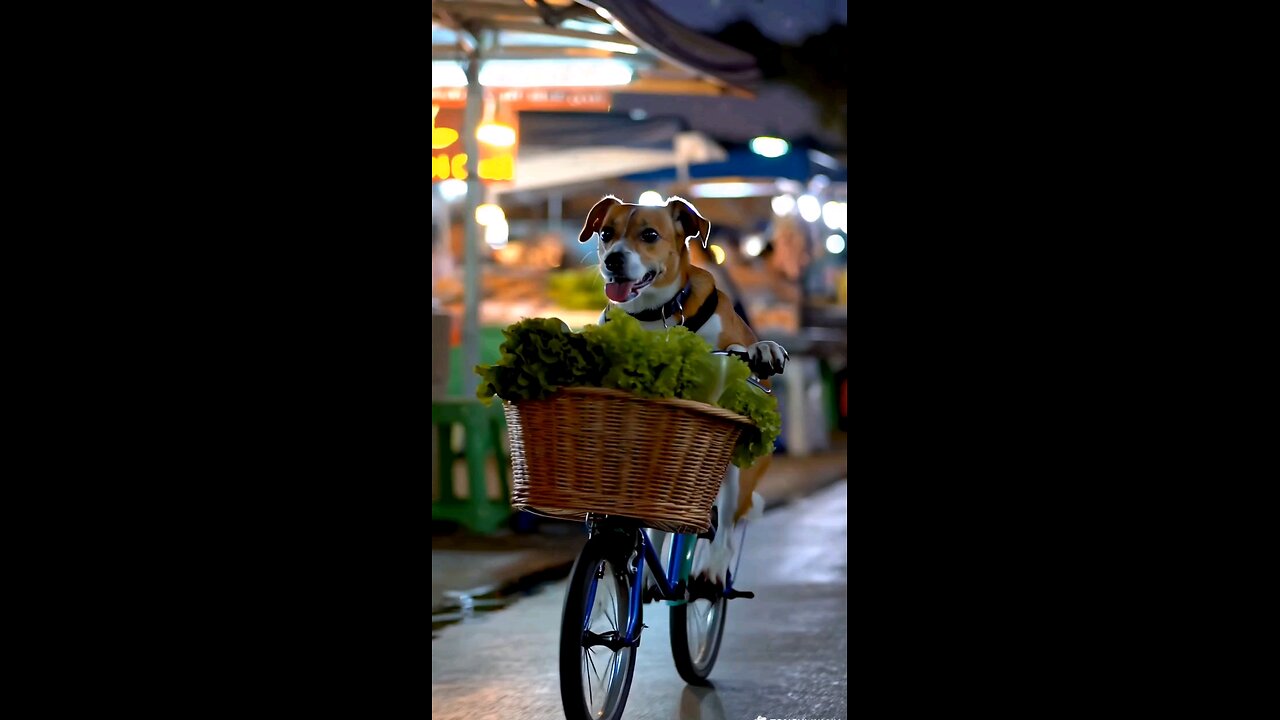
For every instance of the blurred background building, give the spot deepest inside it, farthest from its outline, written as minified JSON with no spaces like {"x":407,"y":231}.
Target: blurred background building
{"x":541,"y":107}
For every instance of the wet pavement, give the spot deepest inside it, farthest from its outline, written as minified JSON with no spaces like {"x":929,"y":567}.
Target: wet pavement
{"x":784,"y":653}
{"x":473,"y":572}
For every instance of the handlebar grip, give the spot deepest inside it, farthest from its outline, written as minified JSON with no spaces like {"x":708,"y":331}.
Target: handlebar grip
{"x":744,"y":357}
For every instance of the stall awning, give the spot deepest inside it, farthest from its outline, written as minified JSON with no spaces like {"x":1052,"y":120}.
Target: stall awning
{"x":563,"y":149}
{"x":665,"y":57}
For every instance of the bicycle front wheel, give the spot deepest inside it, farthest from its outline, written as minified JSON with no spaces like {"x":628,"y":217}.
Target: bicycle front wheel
{"x":594,"y":677}
{"x":696,"y":629}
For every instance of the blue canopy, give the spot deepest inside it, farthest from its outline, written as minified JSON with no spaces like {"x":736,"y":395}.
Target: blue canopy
{"x":797,"y":164}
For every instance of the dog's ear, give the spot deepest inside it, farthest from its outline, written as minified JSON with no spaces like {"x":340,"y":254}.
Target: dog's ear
{"x":687,"y":218}
{"x":596,"y":217}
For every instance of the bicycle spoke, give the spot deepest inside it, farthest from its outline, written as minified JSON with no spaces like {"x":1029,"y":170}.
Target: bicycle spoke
{"x":587,"y":672}
{"x":613,"y":624}
{"x":591,"y":658}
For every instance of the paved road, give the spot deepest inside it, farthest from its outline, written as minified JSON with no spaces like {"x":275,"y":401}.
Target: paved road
{"x":784,"y":653}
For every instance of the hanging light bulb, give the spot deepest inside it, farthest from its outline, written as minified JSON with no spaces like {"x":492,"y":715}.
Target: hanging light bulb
{"x":488,"y":214}
{"x":770,"y":147}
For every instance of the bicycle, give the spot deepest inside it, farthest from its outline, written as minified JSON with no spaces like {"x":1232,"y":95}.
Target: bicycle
{"x":603,"y":608}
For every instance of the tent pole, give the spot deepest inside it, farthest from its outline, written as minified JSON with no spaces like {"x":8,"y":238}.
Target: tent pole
{"x":471,"y":229}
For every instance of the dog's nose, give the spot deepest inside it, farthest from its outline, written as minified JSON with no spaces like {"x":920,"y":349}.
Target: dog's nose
{"x":613,"y":262}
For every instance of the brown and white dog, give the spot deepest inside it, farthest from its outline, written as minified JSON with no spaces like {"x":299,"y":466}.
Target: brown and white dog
{"x":644,"y":258}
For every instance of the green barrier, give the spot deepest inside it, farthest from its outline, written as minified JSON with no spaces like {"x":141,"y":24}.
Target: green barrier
{"x":484,"y":428}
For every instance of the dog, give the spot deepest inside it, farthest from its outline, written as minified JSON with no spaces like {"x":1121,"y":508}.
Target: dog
{"x":645,"y":262}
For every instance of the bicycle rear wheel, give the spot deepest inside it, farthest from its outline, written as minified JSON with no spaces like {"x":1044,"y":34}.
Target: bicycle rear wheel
{"x":697,"y":627}
{"x":595,"y":678}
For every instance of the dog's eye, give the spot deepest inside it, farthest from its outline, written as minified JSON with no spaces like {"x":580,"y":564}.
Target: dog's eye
{"x":649,"y":235}
{"x":606,"y":234}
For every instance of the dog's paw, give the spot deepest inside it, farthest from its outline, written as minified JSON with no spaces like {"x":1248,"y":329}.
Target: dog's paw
{"x":767,"y":358}
{"x":711,"y":560}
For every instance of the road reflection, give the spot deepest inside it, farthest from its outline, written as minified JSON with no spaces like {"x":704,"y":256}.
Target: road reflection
{"x":699,"y":703}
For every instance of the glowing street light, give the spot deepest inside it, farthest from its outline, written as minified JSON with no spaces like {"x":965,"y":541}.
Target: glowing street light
{"x":753,"y":245}
{"x":651,"y":198}
{"x":783,"y":205}
{"x":835,"y":244}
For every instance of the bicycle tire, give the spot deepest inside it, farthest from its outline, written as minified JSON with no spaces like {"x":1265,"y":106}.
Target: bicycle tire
{"x":695,"y":653}
{"x":606,"y":558}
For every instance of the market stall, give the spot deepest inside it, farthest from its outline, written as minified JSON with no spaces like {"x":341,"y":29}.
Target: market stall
{"x":493,"y":61}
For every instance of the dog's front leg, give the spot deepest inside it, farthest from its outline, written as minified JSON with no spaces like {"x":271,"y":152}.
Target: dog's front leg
{"x":712,"y":559}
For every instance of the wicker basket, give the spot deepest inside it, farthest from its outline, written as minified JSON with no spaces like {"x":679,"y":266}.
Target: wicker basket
{"x":611,"y":452}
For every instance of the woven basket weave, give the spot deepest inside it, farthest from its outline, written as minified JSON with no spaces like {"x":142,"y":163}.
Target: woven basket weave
{"x":598,"y":450}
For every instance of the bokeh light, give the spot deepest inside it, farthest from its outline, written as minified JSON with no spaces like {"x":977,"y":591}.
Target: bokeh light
{"x":810,"y":208}
{"x":495,"y":233}
{"x":833,"y":214}
{"x":452,"y":189}
{"x":496,"y":134}
{"x":770,"y":147}
{"x":489,"y":214}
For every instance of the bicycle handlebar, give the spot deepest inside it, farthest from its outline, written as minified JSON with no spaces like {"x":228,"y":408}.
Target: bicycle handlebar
{"x":744,"y":357}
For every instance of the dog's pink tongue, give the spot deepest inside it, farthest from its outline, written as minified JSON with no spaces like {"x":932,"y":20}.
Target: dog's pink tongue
{"x":618,"y":291}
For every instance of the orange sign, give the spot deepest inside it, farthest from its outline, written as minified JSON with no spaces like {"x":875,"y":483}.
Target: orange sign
{"x":497,"y":148}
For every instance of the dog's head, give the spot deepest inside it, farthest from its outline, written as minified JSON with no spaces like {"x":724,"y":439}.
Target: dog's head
{"x":643,"y":256}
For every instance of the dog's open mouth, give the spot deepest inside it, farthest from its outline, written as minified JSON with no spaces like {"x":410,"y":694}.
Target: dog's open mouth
{"x":624,"y":290}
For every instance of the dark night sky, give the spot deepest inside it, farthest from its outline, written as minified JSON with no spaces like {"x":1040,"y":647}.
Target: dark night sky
{"x":788,"y":21}
{"x":779,"y":108}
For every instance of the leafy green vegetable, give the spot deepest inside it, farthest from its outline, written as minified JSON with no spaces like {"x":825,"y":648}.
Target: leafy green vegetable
{"x":540,"y":355}
{"x":651,"y":364}
{"x":754,"y":442}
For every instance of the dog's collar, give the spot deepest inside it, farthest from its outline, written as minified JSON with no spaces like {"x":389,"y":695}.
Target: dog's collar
{"x":675,"y":303}
{"x":694,"y":323}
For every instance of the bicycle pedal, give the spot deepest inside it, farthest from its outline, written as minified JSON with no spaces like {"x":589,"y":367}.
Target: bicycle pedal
{"x":701,"y":588}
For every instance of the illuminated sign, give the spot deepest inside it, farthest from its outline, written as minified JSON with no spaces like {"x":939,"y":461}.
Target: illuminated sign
{"x":448,"y":161}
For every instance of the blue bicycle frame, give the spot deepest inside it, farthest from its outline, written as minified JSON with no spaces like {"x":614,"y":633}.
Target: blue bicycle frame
{"x":671,"y":588}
